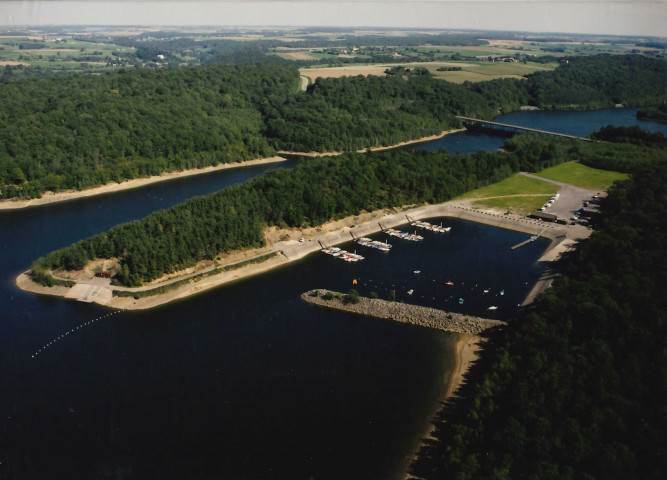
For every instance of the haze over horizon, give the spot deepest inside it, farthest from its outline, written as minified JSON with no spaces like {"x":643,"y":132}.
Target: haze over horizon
{"x":646,"y":18}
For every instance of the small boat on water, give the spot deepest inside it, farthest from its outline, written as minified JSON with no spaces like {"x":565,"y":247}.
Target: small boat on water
{"x":450,"y":283}
{"x":493,"y":307}
{"x":486,"y":290}
{"x":502,"y":292}
{"x":460,"y":300}
{"x":410,"y":292}
{"x":416,"y":272}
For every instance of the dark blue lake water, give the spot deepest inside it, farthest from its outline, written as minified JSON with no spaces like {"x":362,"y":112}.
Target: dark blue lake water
{"x":243,"y":381}
{"x":572,"y":123}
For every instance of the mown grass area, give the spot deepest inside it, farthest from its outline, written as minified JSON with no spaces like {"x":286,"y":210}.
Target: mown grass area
{"x":515,"y":185}
{"x":575,"y":173}
{"x":515,"y":204}
{"x":518,"y":194}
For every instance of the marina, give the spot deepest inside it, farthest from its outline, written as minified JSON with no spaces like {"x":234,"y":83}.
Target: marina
{"x":376,"y":244}
{"x":428,"y":226}
{"x":413,"y":237}
{"x":342,"y":254}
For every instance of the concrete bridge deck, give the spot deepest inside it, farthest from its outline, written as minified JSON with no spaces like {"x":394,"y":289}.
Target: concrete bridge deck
{"x":506,"y":127}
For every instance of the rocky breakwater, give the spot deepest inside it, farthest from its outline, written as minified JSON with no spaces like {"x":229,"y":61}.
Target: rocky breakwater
{"x":400,"y":312}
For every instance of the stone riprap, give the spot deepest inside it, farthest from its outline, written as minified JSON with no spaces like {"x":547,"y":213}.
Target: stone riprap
{"x":403,"y":312}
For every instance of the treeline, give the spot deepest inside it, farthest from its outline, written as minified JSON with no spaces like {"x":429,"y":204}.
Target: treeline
{"x":658,"y":114}
{"x":574,"y":388}
{"x":632,"y":134}
{"x":350,"y":113}
{"x":79,"y":132}
{"x":600,"y":81}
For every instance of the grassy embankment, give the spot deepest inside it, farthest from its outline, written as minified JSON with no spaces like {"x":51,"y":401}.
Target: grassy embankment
{"x":517,"y":193}
{"x":579,"y":175}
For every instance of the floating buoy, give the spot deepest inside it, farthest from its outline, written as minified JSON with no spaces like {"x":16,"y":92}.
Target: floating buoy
{"x":460,"y":300}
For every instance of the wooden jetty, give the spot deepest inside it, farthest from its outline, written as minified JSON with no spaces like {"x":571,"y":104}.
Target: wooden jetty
{"x":531,"y":239}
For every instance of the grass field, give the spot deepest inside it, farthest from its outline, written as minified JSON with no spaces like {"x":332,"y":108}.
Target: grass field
{"x":518,"y":205}
{"x":517,"y":194}
{"x":582,"y":176}
{"x":514,"y":185}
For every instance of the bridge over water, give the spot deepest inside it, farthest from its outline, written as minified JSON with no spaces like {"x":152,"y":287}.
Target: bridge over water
{"x":506,"y":128}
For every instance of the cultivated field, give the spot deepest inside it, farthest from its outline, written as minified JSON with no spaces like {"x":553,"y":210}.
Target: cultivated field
{"x":471,"y":72}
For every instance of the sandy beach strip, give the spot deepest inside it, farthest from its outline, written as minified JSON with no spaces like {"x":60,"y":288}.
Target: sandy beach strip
{"x":375,"y":149}
{"x":50,"y":197}
{"x":466,"y":351}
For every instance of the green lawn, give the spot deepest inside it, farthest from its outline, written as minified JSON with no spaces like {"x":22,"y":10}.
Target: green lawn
{"x":575,"y":173}
{"x":514,"y":185}
{"x":517,"y":204}
{"x":518,"y":194}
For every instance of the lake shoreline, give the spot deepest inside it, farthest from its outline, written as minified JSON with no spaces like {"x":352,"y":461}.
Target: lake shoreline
{"x":51,"y":197}
{"x":466,"y":352}
{"x":466,"y":346}
{"x":375,"y":149}
{"x":402,"y":312}
{"x":100,"y":291}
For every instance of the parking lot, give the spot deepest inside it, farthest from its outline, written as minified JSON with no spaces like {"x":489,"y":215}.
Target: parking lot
{"x":570,"y":200}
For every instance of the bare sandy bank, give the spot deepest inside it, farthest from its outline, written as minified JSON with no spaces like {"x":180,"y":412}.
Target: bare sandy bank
{"x":287,"y":248}
{"x":50,"y":197}
{"x":466,"y":352}
{"x":375,"y":149}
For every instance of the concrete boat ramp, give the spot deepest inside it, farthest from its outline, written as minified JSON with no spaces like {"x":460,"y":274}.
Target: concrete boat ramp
{"x":89,"y":293}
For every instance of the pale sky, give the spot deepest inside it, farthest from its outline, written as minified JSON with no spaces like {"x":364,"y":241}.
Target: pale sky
{"x":567,"y":16}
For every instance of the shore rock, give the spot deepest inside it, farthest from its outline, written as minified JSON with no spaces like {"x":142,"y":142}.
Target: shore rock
{"x":403,"y":312}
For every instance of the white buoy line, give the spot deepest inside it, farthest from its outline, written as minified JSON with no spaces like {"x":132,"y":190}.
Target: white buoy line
{"x":74,"y":329}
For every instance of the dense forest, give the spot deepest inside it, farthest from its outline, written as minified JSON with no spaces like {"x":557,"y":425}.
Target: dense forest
{"x":83,"y":131}
{"x":574,"y":387}
{"x":600,"y":81}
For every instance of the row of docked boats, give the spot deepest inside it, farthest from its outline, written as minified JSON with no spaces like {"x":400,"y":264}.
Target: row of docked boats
{"x":367,"y":242}
{"x":342,"y":254}
{"x":404,"y":235}
{"x":430,"y":226}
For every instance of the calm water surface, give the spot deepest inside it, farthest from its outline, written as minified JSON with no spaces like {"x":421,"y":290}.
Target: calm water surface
{"x":572,"y":123}
{"x":243,"y":381}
